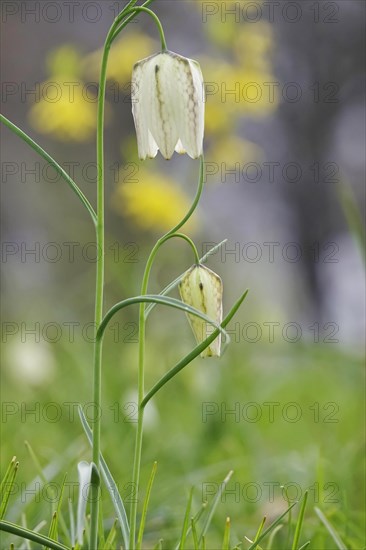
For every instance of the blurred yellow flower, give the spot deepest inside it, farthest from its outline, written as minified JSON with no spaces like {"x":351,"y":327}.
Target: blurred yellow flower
{"x":253,"y":45}
{"x":65,"y":107}
{"x":122,"y":57}
{"x":233,"y":91}
{"x":67,"y":114}
{"x":155,"y":202}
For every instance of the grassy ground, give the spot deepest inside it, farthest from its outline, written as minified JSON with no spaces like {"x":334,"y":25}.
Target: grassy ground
{"x":277,"y":414}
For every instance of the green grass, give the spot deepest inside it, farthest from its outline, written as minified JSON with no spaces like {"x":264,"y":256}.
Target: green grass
{"x":196,"y":440}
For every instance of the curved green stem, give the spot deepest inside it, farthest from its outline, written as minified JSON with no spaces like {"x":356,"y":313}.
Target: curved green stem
{"x":141,"y":364}
{"x":53,"y":163}
{"x":156,"y":299}
{"x":144,"y":9}
{"x":129,"y":18}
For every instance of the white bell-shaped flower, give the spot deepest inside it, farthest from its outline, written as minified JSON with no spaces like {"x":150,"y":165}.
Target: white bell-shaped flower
{"x":202,"y":289}
{"x":168,"y":105}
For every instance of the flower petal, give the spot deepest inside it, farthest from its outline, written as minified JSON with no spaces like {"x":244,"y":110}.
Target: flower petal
{"x":146,"y":144}
{"x":190,"y":107}
{"x":159,"y":95}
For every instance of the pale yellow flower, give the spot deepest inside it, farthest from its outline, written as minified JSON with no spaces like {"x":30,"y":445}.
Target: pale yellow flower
{"x":71,"y":117}
{"x":202,"y":289}
{"x":155,"y":202}
{"x":65,"y":107}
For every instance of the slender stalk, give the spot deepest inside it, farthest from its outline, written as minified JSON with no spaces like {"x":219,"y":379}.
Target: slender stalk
{"x":141,"y":363}
{"x":99,"y":289}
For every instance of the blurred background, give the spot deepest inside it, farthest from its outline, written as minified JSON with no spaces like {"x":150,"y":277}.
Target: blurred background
{"x":285,"y":162}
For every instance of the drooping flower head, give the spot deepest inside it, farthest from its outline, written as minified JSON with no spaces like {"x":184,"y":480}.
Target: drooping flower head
{"x":168,"y":105}
{"x":201,"y":288}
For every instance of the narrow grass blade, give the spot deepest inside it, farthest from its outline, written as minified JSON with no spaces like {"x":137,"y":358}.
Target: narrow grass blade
{"x":145,"y":506}
{"x":196,"y":518}
{"x":186,"y":521}
{"x":260,"y":528}
{"x":194,"y":534}
{"x":305,"y":545}
{"x":329,"y":527}
{"x":9,"y":527}
{"x":272,"y":526}
{"x":226,"y":541}
{"x":252,"y":542}
{"x":110,"y":540}
{"x":7,"y":485}
{"x":203,"y":543}
{"x":176,"y":281}
{"x":101,"y":525}
{"x":299,"y":523}
{"x":110,"y":484}
{"x":159,"y":545}
{"x":52,"y":533}
{"x":214,"y":503}
{"x":7,"y":474}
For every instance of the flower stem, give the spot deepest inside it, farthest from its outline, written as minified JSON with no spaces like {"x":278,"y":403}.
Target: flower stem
{"x":98,"y":315}
{"x":141,"y":365}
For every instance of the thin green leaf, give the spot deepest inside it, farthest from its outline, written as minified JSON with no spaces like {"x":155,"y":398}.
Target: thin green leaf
{"x":269,"y":529}
{"x":194,"y":534}
{"x":329,"y":527}
{"x":203,"y":543}
{"x":7,"y":486}
{"x":145,"y":506}
{"x":8,"y":473}
{"x":251,"y":542}
{"x":52,"y":533}
{"x":176,"y":281}
{"x":14,"y":529}
{"x":101,"y":525}
{"x":53,"y":163}
{"x":289,"y":519}
{"x":162,"y":300}
{"x":299,"y":523}
{"x":196,"y":518}
{"x":186,"y":520}
{"x":110,"y":484}
{"x":226,"y":541}
{"x":193,"y":354}
{"x":213,"y":505}
{"x":305,"y":545}
{"x":109,"y":543}
{"x":159,"y":545}
{"x":260,"y":528}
